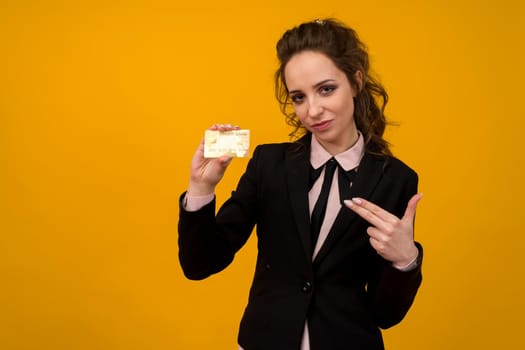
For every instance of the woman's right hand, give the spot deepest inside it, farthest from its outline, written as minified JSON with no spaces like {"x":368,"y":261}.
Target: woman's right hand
{"x":206,"y":173}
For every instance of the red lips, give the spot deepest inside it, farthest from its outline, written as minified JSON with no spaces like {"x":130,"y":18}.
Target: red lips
{"x":322,"y":125}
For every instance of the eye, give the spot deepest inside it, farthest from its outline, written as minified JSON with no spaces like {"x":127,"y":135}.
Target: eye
{"x":297,"y":98}
{"x":327,"y":89}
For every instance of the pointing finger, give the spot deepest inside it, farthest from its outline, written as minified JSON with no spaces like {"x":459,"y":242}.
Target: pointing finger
{"x":357,"y":206}
{"x":377,"y":210}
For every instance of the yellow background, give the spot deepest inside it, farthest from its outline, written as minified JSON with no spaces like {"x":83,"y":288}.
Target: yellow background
{"x":102,"y":104}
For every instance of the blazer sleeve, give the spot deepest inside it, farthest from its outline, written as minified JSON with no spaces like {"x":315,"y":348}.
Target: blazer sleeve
{"x":392,"y":291}
{"x":208,"y":242}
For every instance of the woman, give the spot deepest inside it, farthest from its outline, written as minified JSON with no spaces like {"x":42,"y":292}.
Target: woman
{"x":336,"y":258}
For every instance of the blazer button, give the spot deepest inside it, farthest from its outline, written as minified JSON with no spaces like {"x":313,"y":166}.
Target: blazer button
{"x":307,"y":287}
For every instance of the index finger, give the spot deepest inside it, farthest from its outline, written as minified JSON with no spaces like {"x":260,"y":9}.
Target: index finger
{"x":376,"y":210}
{"x":366,"y":214}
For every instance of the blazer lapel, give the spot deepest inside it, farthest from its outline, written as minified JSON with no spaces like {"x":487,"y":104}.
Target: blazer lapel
{"x":297,"y":170}
{"x":368,"y":176}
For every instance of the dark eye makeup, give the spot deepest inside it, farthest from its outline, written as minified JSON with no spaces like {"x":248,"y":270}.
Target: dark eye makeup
{"x":327,"y":89}
{"x":297,"y":98}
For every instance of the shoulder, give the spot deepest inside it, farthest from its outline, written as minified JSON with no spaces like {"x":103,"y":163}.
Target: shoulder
{"x":398,"y":165}
{"x":393,"y":167}
{"x":271,"y":159}
{"x":279,"y":150}
{"x":297,"y":149}
{"x":273,"y":147}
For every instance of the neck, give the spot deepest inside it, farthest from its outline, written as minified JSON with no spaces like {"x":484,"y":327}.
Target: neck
{"x":336,"y":148}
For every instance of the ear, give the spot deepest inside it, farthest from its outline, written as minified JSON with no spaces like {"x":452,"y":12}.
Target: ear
{"x":358,"y":75}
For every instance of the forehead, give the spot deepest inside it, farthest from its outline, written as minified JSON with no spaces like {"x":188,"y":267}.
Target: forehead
{"x":307,"y":68}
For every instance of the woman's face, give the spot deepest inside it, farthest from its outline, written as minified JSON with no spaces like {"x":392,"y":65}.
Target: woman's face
{"x":322,"y":98}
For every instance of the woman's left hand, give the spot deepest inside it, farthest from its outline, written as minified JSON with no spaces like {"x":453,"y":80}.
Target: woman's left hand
{"x":391,"y":237}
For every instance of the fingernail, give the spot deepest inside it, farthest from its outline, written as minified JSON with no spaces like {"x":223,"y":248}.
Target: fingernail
{"x":348,"y":202}
{"x":357,"y":200}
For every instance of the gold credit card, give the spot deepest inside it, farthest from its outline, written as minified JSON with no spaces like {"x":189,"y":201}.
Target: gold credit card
{"x":235,"y":143}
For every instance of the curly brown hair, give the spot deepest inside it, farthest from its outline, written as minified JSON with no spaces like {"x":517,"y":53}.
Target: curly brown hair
{"x":343,"y":46}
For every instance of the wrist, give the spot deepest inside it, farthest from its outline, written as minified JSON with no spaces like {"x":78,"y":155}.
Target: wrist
{"x":200,"y":189}
{"x":409,"y":260}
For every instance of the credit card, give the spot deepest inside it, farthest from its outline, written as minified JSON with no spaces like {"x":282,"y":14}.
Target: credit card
{"x":235,"y":143}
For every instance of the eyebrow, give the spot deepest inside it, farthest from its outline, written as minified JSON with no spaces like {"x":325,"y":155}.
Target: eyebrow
{"x":315,"y":86}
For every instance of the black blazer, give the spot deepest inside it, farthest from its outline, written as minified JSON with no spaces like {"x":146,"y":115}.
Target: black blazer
{"x":347,"y":293}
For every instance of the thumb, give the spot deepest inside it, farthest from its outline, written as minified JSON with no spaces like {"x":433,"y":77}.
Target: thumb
{"x":410,"y":211}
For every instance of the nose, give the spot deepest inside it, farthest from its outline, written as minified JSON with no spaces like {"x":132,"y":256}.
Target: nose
{"x":315,"y":109}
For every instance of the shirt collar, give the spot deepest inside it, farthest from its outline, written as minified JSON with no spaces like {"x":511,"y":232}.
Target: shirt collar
{"x":348,"y":159}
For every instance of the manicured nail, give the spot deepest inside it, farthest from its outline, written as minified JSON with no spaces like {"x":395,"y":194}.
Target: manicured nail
{"x":348,"y":203}
{"x":357,"y":200}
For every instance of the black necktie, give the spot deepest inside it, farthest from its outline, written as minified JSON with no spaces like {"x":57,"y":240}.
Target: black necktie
{"x":345,"y":180}
{"x":316,"y":220}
